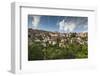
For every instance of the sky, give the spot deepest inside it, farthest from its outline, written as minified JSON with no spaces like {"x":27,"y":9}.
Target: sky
{"x":61,"y":24}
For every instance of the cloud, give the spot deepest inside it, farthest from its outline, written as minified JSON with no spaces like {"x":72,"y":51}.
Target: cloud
{"x":66,"y":26}
{"x":73,"y":24}
{"x":61,"y":25}
{"x":35,"y":21}
{"x":70,"y":27}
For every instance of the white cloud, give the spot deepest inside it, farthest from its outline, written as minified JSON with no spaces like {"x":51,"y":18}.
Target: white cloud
{"x":35,"y":21}
{"x":70,"y":27}
{"x":66,"y":27}
{"x":61,"y":25}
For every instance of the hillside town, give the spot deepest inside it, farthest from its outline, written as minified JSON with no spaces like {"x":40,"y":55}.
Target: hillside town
{"x":55,"y":38}
{"x":44,"y":45}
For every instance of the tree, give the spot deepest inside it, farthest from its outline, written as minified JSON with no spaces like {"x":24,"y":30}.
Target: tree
{"x":34,"y":52}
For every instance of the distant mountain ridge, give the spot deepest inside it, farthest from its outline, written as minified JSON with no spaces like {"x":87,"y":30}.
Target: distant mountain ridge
{"x":44,"y":31}
{"x":38,"y":30}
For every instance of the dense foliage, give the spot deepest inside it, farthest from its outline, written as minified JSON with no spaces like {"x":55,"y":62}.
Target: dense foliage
{"x":71,"y":51}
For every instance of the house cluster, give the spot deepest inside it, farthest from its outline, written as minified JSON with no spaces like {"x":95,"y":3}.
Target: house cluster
{"x":60,"y":39}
